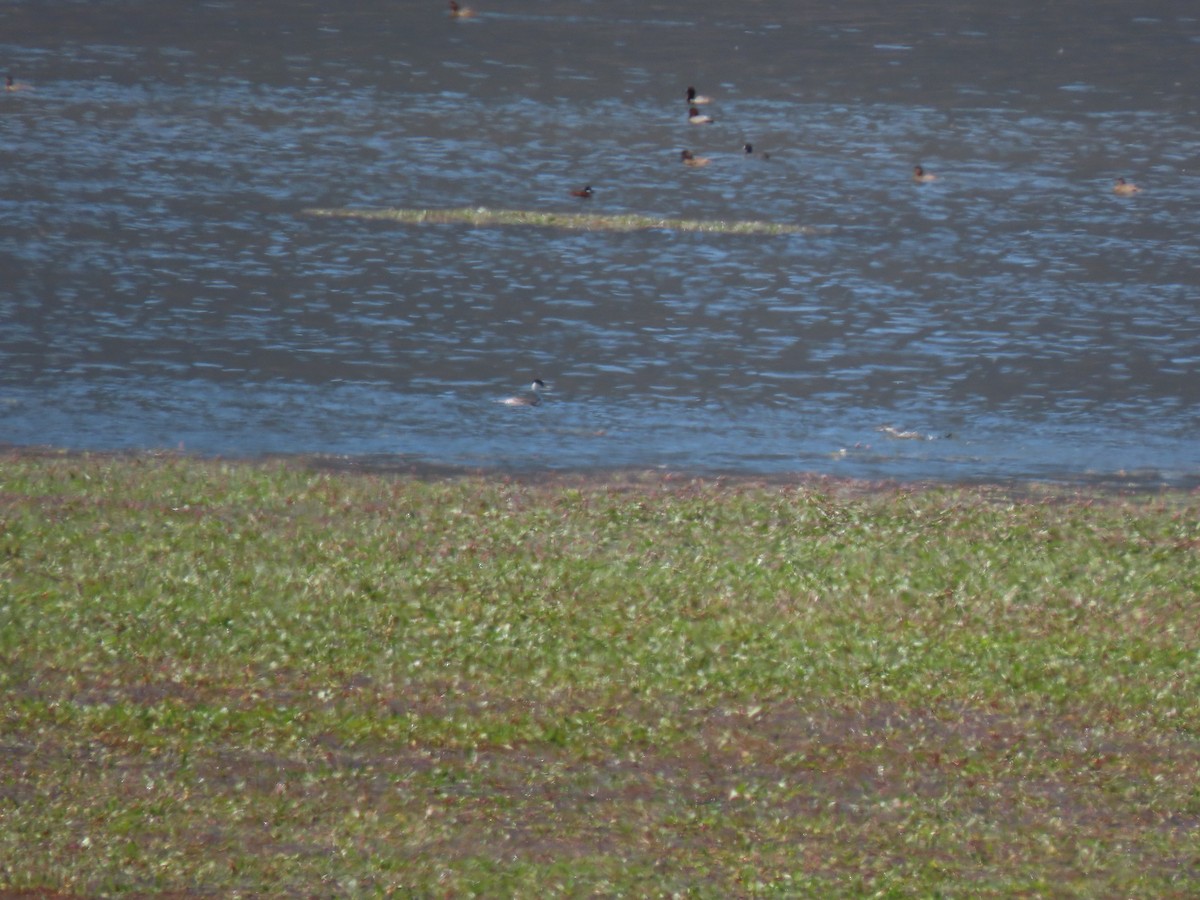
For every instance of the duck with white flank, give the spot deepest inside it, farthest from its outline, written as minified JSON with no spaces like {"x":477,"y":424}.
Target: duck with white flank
{"x":920,"y":176}
{"x":532,"y":398}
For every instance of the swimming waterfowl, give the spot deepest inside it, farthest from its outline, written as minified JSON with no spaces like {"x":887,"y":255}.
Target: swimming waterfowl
{"x":12,"y":86}
{"x":690,"y":159}
{"x":749,"y":148}
{"x":920,"y":176}
{"x":585,"y":193}
{"x":695,"y":99}
{"x":899,"y":435}
{"x":698,"y":118}
{"x":460,"y":12}
{"x":530,"y":399}
{"x":1125,"y":188}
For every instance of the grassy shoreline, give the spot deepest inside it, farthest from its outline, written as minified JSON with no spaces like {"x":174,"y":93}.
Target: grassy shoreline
{"x":272,"y":679}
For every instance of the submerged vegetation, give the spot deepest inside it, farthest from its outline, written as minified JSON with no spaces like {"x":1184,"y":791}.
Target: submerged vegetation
{"x":276,"y":679}
{"x":483,"y":217}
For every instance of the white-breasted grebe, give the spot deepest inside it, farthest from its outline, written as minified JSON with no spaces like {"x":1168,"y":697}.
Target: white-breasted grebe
{"x":533,"y":398}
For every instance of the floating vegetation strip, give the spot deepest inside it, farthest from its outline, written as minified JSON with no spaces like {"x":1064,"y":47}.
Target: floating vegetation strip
{"x":483,"y":217}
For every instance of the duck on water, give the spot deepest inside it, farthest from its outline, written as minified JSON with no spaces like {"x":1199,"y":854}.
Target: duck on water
{"x":532,"y":398}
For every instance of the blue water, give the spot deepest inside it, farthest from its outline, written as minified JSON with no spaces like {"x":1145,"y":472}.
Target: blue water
{"x":162,"y":285}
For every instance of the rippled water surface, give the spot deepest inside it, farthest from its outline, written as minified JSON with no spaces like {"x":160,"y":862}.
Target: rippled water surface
{"x":163,"y":285}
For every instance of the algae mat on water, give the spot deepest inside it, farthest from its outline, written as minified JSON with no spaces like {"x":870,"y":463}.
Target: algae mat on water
{"x":483,"y":217}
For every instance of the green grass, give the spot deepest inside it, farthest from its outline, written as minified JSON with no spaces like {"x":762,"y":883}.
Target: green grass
{"x":273,"y":679}
{"x":483,"y":217}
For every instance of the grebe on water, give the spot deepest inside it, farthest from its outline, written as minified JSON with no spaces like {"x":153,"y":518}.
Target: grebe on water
{"x":530,"y":399}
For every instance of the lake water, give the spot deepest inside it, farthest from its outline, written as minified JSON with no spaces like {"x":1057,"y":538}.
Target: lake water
{"x":161,"y":285}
